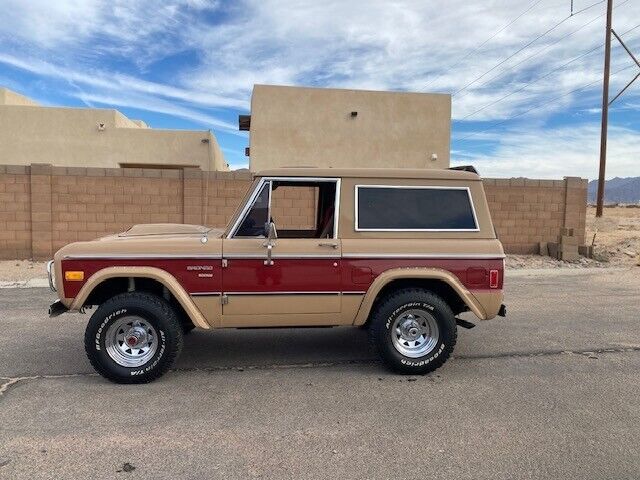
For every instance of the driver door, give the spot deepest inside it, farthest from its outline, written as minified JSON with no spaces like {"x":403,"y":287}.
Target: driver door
{"x":297,"y":281}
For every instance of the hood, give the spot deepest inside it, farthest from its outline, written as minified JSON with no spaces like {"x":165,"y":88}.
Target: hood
{"x":162,"y":239}
{"x":166,"y":229}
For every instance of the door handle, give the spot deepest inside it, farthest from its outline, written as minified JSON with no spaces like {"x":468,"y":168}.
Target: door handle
{"x":269,"y":260}
{"x":328,"y":244}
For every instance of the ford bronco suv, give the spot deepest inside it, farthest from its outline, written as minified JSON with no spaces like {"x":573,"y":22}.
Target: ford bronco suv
{"x":400,"y":252}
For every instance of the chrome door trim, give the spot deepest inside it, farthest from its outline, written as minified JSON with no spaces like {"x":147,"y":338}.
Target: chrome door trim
{"x":410,"y":256}
{"x":284,"y":293}
{"x":263,"y":180}
{"x":306,"y":256}
{"x":130,"y":256}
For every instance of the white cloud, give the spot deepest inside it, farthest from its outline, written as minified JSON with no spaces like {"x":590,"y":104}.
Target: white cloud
{"x":538,"y":152}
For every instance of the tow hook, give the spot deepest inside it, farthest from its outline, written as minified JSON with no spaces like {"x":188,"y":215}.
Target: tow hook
{"x":465,"y":324}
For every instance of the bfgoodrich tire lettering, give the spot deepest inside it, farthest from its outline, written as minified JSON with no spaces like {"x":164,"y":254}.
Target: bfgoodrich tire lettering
{"x":427,"y":336}
{"x":151,"y":320}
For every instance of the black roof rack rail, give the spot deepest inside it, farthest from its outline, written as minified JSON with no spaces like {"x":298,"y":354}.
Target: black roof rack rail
{"x":465,"y":168}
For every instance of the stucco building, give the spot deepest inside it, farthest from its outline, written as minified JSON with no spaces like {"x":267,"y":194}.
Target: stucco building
{"x":92,"y":137}
{"x":327,"y":127}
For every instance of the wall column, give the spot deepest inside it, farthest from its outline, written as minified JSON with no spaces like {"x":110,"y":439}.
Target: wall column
{"x":41,"y":219}
{"x":192,"y":196}
{"x":575,"y":206}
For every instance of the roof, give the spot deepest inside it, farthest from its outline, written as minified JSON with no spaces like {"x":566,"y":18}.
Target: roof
{"x":425,"y":173}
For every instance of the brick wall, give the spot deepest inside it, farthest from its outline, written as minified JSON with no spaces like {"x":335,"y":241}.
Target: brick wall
{"x":43,"y":208}
{"x":15,"y":212}
{"x":526,"y":212}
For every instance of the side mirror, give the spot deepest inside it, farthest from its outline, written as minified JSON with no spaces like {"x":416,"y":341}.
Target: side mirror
{"x":272,"y":234}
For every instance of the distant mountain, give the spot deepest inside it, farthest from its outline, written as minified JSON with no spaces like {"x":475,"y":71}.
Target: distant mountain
{"x":616,"y":190}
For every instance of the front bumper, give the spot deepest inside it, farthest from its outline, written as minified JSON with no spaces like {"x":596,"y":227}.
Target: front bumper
{"x":52,"y":283}
{"x":57,"y":308}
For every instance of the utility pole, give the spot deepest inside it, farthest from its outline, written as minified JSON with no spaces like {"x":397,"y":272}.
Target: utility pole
{"x":605,"y":111}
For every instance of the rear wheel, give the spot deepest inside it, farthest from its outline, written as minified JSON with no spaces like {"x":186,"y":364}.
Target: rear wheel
{"x":133,"y":338}
{"x":413,"y":331}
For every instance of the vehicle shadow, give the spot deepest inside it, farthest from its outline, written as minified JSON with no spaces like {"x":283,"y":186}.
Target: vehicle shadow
{"x":237,"y":348}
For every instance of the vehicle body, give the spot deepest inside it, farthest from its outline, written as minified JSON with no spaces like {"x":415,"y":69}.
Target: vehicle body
{"x":375,"y":234}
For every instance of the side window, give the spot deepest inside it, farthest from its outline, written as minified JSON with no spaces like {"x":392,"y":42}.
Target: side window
{"x":400,"y":208}
{"x":299,"y":208}
{"x":253,"y":224}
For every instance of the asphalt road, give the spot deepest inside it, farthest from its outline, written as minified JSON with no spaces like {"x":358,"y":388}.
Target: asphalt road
{"x":552,"y":391}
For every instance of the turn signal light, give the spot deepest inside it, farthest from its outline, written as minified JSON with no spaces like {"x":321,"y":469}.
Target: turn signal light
{"x":74,"y":276}
{"x":493,"y":278}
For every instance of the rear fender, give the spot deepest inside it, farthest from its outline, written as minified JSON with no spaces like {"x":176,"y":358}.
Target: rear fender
{"x":416,"y":273}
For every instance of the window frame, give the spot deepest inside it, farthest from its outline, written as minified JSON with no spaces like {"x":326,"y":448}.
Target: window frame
{"x":270,"y":180}
{"x":415,"y":187}
{"x":251,"y":203}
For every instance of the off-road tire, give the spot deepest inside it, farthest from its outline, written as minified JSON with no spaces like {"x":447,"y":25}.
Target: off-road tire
{"x":392,"y":306}
{"x":154,"y":310}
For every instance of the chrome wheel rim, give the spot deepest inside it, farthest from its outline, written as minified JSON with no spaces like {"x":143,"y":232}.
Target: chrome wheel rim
{"x":131,"y":341}
{"x":415,"y":333}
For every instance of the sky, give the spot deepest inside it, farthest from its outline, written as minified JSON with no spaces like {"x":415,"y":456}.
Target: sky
{"x":526,"y":75}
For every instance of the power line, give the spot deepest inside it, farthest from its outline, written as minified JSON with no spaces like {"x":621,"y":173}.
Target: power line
{"x":533,"y":5}
{"x":489,"y":80}
{"x":530,"y":83}
{"x":542,"y":77}
{"x":539,"y":105}
{"x":526,"y":46}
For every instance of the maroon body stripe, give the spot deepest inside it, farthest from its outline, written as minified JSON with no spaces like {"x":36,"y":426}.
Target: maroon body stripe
{"x":189,"y":279}
{"x":285,"y":275}
{"x":472,"y":273}
{"x":200,"y":275}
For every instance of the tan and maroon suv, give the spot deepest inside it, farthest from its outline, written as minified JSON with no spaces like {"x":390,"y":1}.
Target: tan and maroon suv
{"x":401,"y":252}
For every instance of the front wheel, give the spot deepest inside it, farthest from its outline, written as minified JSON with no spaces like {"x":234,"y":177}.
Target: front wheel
{"x":413,"y":331}
{"x":133,"y":338}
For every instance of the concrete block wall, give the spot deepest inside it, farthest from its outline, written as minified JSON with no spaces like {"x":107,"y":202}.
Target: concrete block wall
{"x":294,"y":208}
{"x":15,"y":212}
{"x":87,"y":203}
{"x":43,"y":208}
{"x":526,"y":212}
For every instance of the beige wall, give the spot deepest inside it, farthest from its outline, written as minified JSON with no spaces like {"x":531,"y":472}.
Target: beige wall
{"x":43,"y":208}
{"x":8,"y":97}
{"x":294,"y":126}
{"x":71,"y":137}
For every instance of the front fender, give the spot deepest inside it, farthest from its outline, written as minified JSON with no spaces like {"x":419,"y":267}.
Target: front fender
{"x":416,"y":273}
{"x":153,"y":273}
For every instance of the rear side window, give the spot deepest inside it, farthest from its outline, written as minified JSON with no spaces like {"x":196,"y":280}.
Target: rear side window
{"x":409,"y":208}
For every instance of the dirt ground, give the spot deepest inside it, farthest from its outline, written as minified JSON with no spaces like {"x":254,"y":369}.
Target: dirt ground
{"x":617,"y":235}
{"x":617,"y":244}
{"x":19,"y":270}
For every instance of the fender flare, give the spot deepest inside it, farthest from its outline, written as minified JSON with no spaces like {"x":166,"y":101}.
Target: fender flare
{"x":161,"y":276}
{"x":393,"y":274}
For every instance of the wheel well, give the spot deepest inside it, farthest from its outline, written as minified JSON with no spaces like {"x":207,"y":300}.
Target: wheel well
{"x":114,"y":286}
{"x":439,"y":287}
